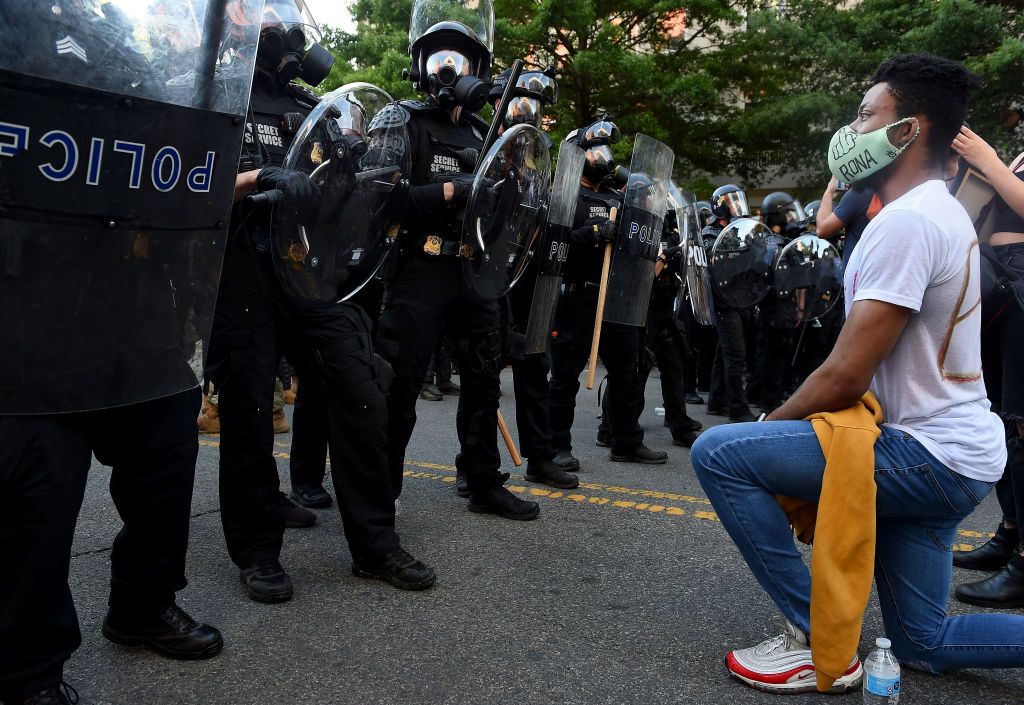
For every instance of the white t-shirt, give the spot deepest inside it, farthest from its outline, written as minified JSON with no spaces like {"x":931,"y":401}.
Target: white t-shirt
{"x":921,"y":252}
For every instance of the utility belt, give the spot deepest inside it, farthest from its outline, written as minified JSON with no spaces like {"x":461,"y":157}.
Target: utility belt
{"x":437,"y":245}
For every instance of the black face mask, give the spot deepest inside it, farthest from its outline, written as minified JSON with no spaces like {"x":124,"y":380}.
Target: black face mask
{"x":283,"y":52}
{"x":451,"y":91}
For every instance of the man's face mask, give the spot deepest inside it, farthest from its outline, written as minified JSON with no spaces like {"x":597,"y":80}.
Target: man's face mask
{"x":853,"y":156}
{"x":452,"y":81}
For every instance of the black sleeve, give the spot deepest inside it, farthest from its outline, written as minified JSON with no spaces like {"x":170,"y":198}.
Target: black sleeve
{"x":428,"y":199}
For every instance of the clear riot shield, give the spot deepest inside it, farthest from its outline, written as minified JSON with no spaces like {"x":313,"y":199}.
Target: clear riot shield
{"x":699,"y":289}
{"x":505,"y":213}
{"x":741,"y":263}
{"x":681,"y":205}
{"x":638,"y":243}
{"x":355,"y":147}
{"x":120,"y":131}
{"x":554,"y":246}
{"x":808,"y":279}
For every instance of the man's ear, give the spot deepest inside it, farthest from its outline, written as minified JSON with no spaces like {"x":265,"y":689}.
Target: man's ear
{"x":902,"y":134}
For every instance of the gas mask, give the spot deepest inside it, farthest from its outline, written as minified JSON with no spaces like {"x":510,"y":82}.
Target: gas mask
{"x":452,"y":82}
{"x":600,"y":163}
{"x":287,"y":53}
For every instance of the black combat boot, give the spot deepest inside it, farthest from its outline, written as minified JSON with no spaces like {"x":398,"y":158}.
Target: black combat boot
{"x":266,"y":581}
{"x":498,"y":500}
{"x":1003,"y":590}
{"x":641,"y":454}
{"x":169,"y":632}
{"x":398,"y":568}
{"x":60,"y":694}
{"x":994,"y":554}
{"x":565,"y":460}
{"x":311,"y":496}
{"x":546,"y":472}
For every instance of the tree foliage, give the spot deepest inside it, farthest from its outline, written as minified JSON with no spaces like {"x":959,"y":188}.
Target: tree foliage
{"x":736,"y":87}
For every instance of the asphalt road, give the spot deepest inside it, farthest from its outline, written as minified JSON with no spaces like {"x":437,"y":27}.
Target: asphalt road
{"x":624,"y":591}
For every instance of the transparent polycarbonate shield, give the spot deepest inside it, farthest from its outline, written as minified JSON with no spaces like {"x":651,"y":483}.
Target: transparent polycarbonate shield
{"x":681,"y":205}
{"x":741,"y":263}
{"x":355,"y":147}
{"x":553,"y":247}
{"x":639,"y":234}
{"x":505,"y":213}
{"x":115,"y":194}
{"x":699,"y":287}
{"x":808,"y":280}
{"x":477,"y":16}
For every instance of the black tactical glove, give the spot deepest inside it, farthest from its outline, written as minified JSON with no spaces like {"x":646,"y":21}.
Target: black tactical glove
{"x":595,"y":231}
{"x":299,"y":192}
{"x":463,"y":184}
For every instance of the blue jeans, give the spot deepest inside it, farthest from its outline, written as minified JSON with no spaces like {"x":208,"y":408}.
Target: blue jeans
{"x":920,"y":502}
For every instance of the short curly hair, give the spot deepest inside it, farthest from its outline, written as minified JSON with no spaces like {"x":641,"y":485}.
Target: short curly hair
{"x":929,"y":85}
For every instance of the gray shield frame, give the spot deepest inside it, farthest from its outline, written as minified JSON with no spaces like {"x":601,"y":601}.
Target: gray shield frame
{"x":505,"y":214}
{"x":553,"y":248}
{"x":638,"y":244}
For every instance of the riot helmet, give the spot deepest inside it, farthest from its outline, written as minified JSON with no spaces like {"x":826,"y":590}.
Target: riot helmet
{"x":811,"y":211}
{"x":705,"y":216}
{"x":450,"y":48}
{"x":595,"y":140}
{"x":779,"y":209}
{"x":534,"y":91}
{"x":728,"y":202}
{"x":289,"y":43}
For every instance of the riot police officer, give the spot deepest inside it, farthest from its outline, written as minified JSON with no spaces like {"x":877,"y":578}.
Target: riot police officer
{"x":450,"y":51}
{"x":534,"y":91}
{"x":105,"y":309}
{"x":574,"y":319}
{"x":727,"y":395}
{"x":258,"y":317}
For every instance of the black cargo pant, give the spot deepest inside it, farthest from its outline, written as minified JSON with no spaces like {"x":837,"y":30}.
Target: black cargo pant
{"x":664,"y":341}
{"x":529,"y":377}
{"x":331,"y":347}
{"x":570,"y":351}
{"x":151,"y":449}
{"x":773,"y":370}
{"x":429,"y":295}
{"x":727,"y":392}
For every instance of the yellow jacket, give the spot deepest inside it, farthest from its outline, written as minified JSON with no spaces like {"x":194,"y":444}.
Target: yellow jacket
{"x":843,"y":533}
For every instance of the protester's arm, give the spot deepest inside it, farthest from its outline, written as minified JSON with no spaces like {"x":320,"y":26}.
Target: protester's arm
{"x":828,"y":224}
{"x":981,"y":155}
{"x":868,"y":336}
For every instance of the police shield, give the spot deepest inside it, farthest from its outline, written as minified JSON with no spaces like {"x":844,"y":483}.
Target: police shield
{"x":120,"y":130}
{"x":808,"y":279}
{"x":355,"y":147}
{"x":741,"y":263}
{"x":505,"y":213}
{"x":553,"y":247}
{"x":699,"y":289}
{"x":639,"y":240}
{"x":681,"y":207}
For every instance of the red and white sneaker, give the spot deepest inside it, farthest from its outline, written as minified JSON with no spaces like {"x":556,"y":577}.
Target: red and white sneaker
{"x":783,"y":665}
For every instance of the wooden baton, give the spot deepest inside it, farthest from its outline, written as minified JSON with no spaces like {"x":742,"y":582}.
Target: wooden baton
{"x":601,"y":294}
{"x":517,"y":459}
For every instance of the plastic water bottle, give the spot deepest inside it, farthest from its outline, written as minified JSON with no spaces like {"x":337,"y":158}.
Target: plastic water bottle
{"x":881,"y":675}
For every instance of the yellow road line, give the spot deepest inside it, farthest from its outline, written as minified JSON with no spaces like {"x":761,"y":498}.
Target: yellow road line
{"x":576,"y":497}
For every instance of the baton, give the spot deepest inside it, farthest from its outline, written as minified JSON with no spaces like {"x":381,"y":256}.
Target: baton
{"x":601,"y":294}
{"x":517,"y":459}
{"x":499,"y":112}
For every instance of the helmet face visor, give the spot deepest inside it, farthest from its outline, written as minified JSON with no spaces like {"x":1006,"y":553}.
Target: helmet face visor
{"x":475,"y":16}
{"x":448,"y":64}
{"x":797,"y":213}
{"x":523,"y":110}
{"x":601,"y":132}
{"x":288,"y":15}
{"x":539,"y":85}
{"x":735,"y":203}
{"x":599,"y":158}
